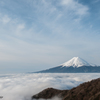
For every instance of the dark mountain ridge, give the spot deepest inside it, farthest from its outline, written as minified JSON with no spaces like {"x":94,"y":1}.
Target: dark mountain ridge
{"x":86,"y":91}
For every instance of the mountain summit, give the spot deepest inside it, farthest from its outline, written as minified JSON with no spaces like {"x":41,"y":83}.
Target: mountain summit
{"x":75,"y":65}
{"x":76,"y":62}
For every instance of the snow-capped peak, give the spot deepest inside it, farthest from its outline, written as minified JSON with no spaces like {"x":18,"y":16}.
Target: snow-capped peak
{"x":76,"y":62}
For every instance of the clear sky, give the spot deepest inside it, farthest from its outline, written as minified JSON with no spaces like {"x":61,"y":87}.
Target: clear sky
{"x":40,"y":34}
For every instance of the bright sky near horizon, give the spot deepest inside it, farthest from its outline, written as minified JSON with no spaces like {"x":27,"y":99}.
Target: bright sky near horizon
{"x":39,"y":34}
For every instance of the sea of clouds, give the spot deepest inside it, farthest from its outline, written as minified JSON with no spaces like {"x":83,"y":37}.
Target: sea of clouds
{"x":24,"y":86}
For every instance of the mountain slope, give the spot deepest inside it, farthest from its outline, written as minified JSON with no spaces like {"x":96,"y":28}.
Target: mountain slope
{"x":75,"y":65}
{"x":86,"y":91}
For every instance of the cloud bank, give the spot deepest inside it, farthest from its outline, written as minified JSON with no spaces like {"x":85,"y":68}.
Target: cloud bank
{"x":23,"y":86}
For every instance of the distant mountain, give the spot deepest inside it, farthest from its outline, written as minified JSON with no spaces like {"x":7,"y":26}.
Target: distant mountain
{"x":86,"y":91}
{"x":75,"y":65}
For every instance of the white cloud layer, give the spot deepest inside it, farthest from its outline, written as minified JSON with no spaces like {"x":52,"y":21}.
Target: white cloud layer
{"x":23,"y":86}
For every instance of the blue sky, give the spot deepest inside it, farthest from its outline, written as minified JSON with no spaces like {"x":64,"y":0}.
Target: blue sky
{"x":40,"y":34}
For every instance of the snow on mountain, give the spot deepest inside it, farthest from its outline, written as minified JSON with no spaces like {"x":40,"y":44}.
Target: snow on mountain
{"x":76,"y":62}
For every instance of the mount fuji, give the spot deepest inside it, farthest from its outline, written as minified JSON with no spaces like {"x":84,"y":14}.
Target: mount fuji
{"x":75,"y":65}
